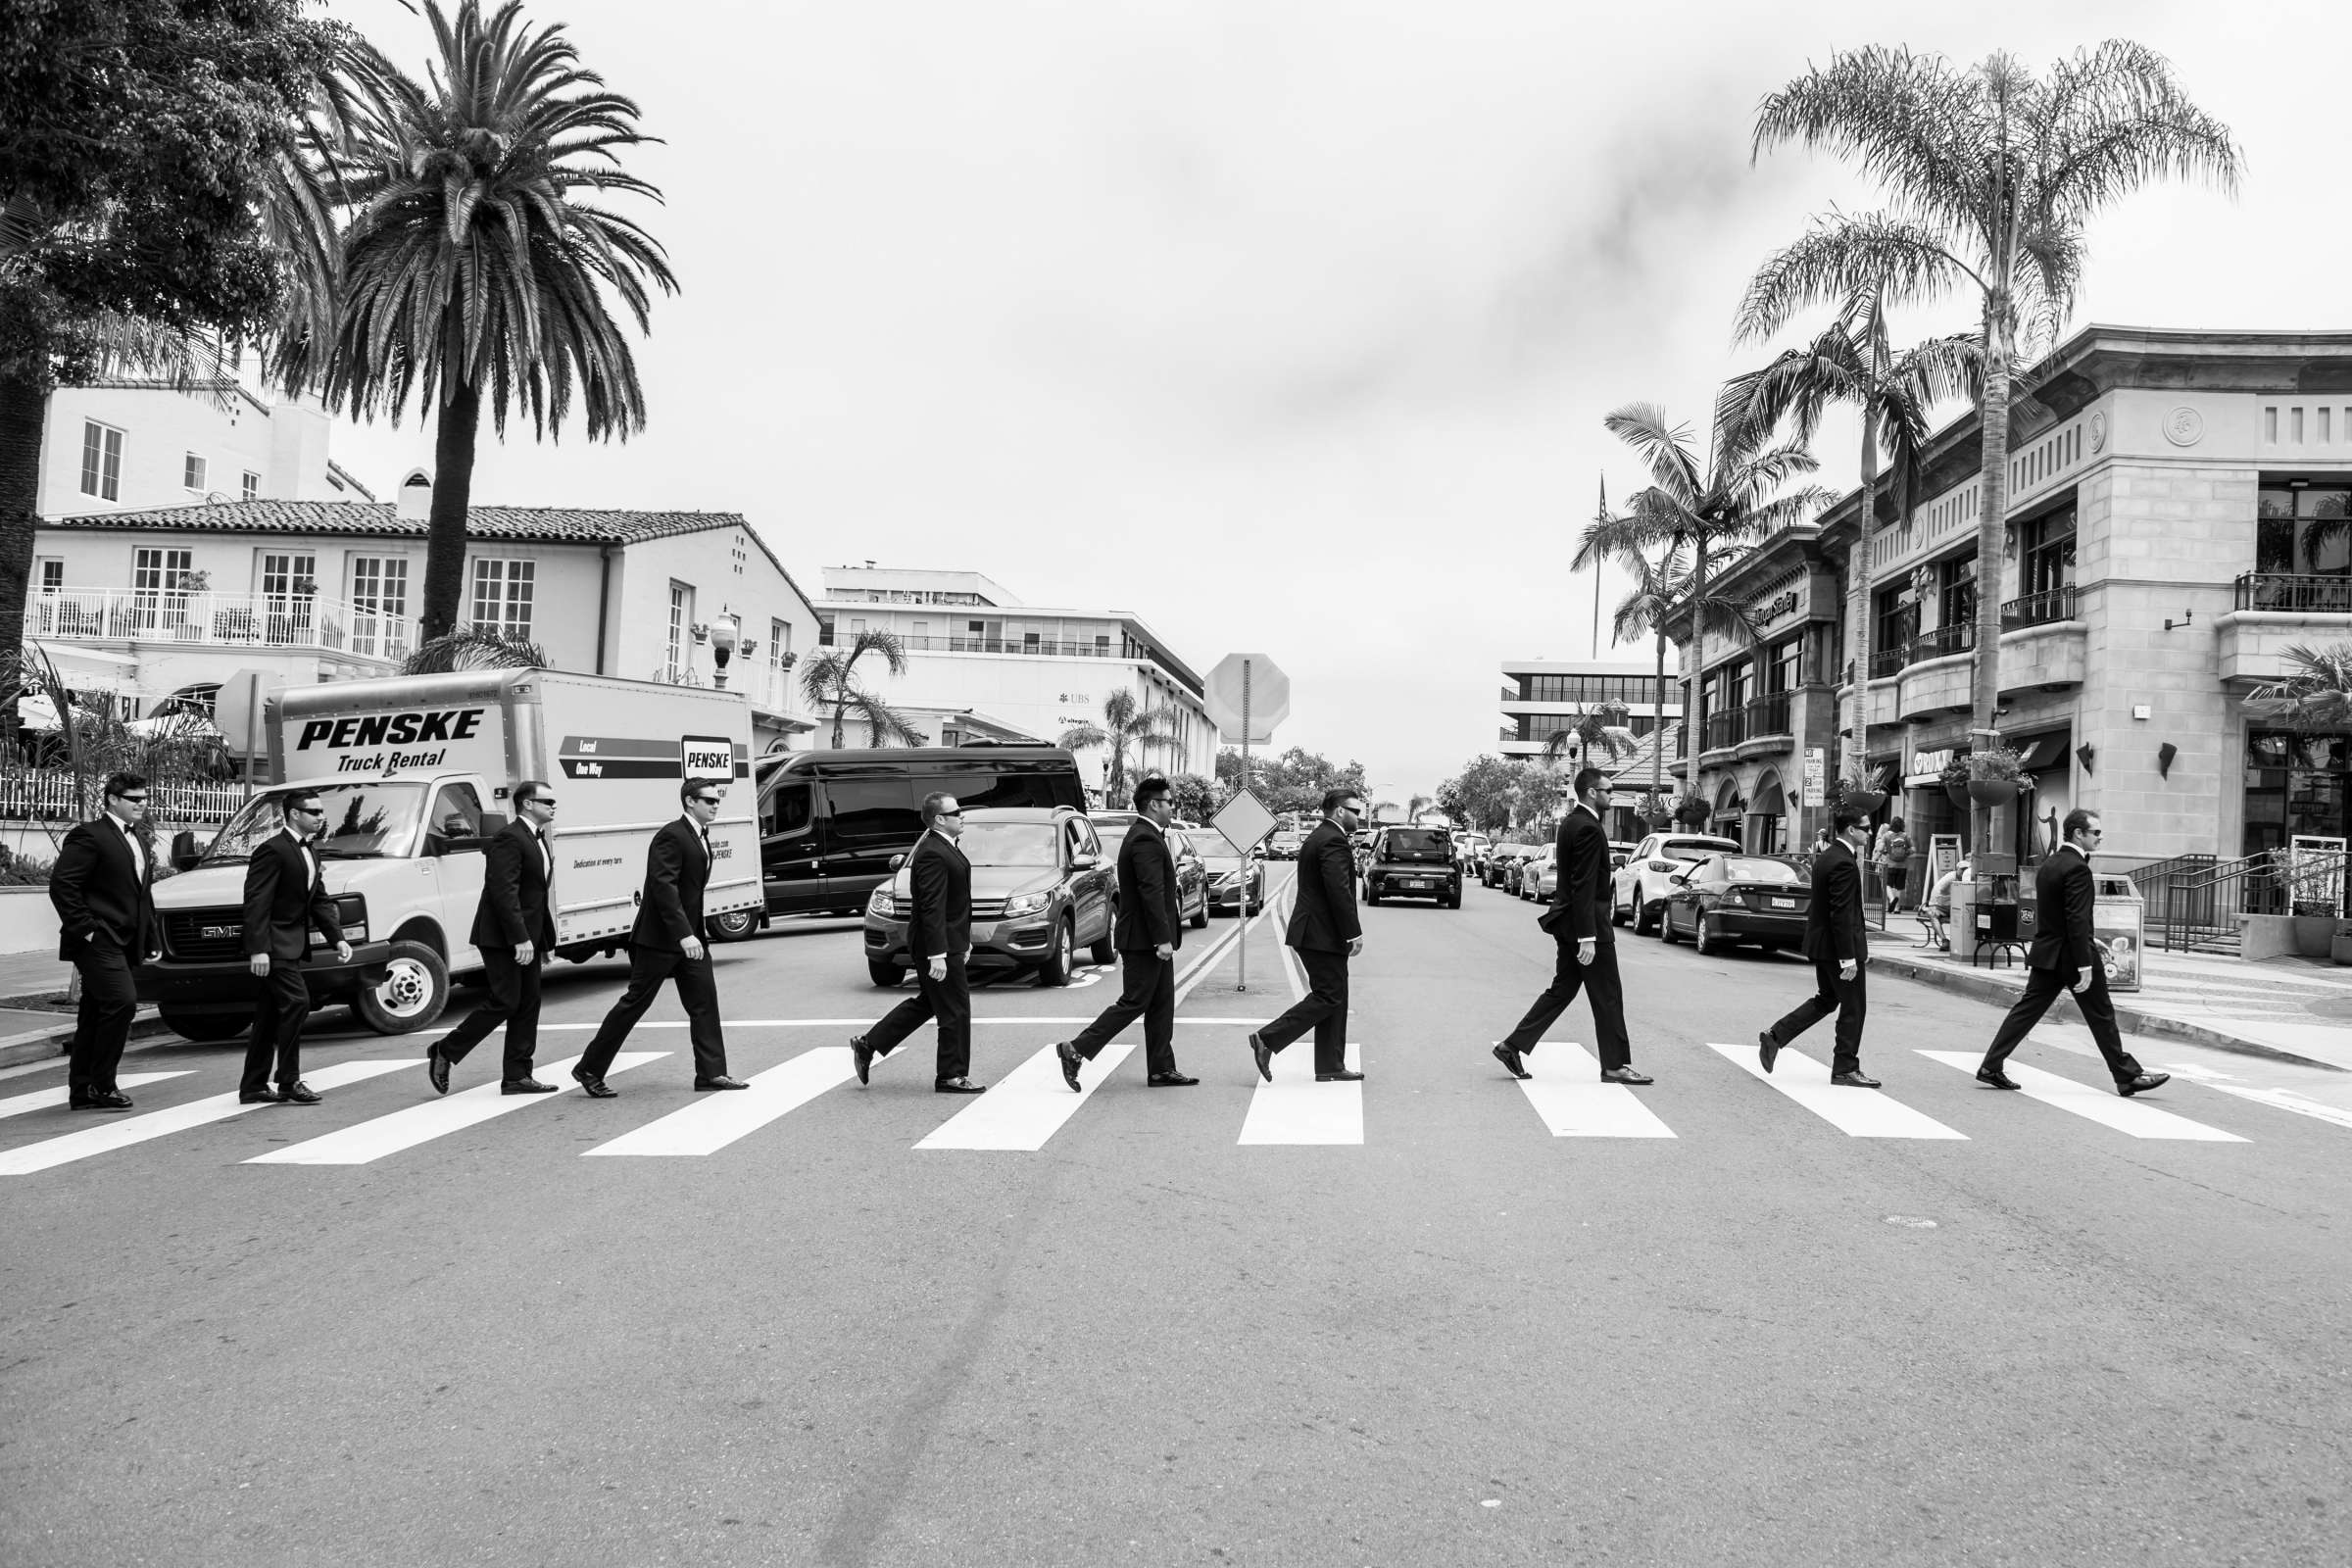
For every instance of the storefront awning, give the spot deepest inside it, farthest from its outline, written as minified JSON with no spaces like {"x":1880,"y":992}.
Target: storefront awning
{"x":2044,"y":752}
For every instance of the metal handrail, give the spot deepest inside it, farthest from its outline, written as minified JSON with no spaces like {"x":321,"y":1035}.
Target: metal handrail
{"x":1768,"y":715}
{"x":1957,"y":638}
{"x":2309,"y":593}
{"x":2038,"y":609}
{"x":2207,"y":904}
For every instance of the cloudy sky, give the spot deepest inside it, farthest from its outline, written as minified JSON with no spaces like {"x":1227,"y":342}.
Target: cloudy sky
{"x":1287,"y":324}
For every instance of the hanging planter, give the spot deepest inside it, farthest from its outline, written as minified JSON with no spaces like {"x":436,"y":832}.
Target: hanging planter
{"x":1958,"y":795}
{"x":1867,"y":802}
{"x":1994,"y":775}
{"x":1992,"y":791}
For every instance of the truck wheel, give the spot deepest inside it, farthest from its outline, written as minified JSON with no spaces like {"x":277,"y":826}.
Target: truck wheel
{"x":886,"y":975}
{"x":207,"y":1025}
{"x":1454,"y":900}
{"x":733,"y":926}
{"x":411,"y":994}
{"x":1063,"y":959}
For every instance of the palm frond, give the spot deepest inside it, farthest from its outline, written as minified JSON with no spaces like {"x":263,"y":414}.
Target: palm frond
{"x":473,"y":648}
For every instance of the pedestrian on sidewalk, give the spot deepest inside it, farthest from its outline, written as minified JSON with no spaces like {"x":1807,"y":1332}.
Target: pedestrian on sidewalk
{"x":1325,"y":933}
{"x":2064,"y":956}
{"x":516,"y":931}
{"x":940,"y":939}
{"x":285,"y":899}
{"x":1894,"y":862}
{"x":1584,"y":943}
{"x":1838,"y":944}
{"x":100,"y":888}
{"x":1149,"y":932}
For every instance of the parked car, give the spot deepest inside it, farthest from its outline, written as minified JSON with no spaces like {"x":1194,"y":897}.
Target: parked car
{"x":1413,"y":863}
{"x":1639,"y":889}
{"x":1500,"y":861}
{"x":1540,"y":873}
{"x":1237,"y":883}
{"x":1726,"y":900}
{"x":1283,"y":843}
{"x":1192,"y":880}
{"x":1620,"y":851}
{"x":1042,"y":889}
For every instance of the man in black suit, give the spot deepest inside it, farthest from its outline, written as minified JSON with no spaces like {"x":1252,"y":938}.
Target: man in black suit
{"x":1586,"y":941}
{"x":100,"y":888}
{"x":1838,"y":944}
{"x":515,"y":927}
{"x":669,"y":943}
{"x":1326,"y":934}
{"x":285,"y":897}
{"x":1149,"y":932}
{"x":940,"y":940}
{"x":2064,"y":956}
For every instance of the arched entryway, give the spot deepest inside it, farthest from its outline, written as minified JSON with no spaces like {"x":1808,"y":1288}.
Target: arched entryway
{"x":1729,"y":804}
{"x":1768,"y":817}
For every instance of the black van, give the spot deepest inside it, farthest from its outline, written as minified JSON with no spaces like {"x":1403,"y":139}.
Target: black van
{"x":830,"y":821}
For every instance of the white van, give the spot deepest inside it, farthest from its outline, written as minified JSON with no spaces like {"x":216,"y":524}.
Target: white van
{"x":415,"y":774}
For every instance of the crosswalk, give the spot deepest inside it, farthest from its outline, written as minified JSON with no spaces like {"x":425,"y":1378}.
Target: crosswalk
{"x":1029,"y":1106}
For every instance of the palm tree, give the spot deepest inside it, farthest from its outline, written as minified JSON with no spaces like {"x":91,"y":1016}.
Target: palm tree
{"x":1660,"y":583}
{"x":1126,"y":723}
{"x":831,"y":677}
{"x":468,"y":270}
{"x":1993,"y":175}
{"x":475,"y":648}
{"x":1853,"y":361}
{"x":2317,"y":694}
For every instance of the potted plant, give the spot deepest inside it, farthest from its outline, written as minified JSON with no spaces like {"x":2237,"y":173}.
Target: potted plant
{"x":1856,"y":793}
{"x":1692,"y":812}
{"x":1954,"y":779}
{"x":1993,"y":774}
{"x":2341,"y":949}
{"x":1654,"y":811}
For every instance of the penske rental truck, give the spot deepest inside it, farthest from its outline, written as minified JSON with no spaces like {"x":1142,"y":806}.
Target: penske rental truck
{"x":415,"y":773}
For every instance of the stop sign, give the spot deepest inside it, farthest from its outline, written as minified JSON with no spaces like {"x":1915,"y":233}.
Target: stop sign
{"x":1251,"y":680}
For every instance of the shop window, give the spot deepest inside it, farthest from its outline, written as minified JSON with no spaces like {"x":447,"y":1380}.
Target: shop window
{"x":2304,"y":531}
{"x":2047,"y":560}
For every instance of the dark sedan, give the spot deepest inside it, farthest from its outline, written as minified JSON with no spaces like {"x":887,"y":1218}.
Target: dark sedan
{"x":1726,"y":900}
{"x":1237,"y":883}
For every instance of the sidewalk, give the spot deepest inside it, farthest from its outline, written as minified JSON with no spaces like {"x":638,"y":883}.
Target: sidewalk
{"x":2292,"y":1009}
{"x":33,"y":1035}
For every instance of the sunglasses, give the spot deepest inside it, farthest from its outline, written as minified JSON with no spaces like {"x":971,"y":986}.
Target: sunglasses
{"x":538,"y":799}
{"x":135,"y":799}
{"x":306,"y":811}
{"x":706,"y":800}
{"x":958,"y":812}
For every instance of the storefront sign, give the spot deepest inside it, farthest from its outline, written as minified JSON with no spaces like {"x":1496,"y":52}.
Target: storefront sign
{"x":1927,"y":767}
{"x":1775,"y":608}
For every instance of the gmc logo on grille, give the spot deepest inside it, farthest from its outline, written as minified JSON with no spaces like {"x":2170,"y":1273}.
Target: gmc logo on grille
{"x":212,"y":931}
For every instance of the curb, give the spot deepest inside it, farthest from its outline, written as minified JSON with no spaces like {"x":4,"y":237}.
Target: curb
{"x":46,"y":1044}
{"x":2131,"y":1019}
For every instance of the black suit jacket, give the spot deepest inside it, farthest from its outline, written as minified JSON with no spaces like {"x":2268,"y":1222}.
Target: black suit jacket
{"x":942,"y":880}
{"x":2064,"y":891}
{"x":1147,"y":913}
{"x":98,"y":893}
{"x":1834,"y":927}
{"x":280,"y":908}
{"x":515,"y":905}
{"x":1323,"y":917}
{"x":1579,"y":897}
{"x":669,"y":909}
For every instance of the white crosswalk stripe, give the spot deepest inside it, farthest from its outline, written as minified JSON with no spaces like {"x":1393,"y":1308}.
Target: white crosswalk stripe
{"x":405,"y":1129}
{"x":1569,"y":1096}
{"x":2103,"y":1105}
{"x":2281,"y":1099}
{"x":49,"y":1099}
{"x":1856,"y":1113}
{"x":129,"y":1130}
{"x":1294,"y":1108}
{"x":717,"y":1120}
{"x":1028,"y":1104}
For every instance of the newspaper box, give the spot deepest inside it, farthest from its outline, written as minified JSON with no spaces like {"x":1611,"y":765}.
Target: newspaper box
{"x":2119,"y":929}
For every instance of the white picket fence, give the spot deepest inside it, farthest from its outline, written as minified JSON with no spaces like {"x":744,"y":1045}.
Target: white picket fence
{"x":48,"y":795}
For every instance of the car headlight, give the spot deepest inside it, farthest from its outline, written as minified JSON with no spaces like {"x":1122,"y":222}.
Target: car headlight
{"x":1026,"y":904}
{"x":880,"y":903}
{"x":351,"y":913}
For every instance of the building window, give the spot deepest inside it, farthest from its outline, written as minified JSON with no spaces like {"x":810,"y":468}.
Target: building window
{"x":2046,"y":562}
{"x":1893,"y":624}
{"x":101,"y":460}
{"x":681,"y":620}
{"x":153,"y":571}
{"x":1956,"y":590}
{"x":251,"y":485}
{"x":779,"y":645}
{"x":379,"y":604}
{"x":290,"y":579}
{"x":49,"y":574}
{"x":2304,"y":531}
{"x":824,"y":633}
{"x":192,"y":472}
{"x":502,"y":597}
{"x":1782,"y":664}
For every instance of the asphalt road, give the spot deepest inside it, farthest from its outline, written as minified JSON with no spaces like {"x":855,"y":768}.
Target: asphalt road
{"x":2031,"y":1337}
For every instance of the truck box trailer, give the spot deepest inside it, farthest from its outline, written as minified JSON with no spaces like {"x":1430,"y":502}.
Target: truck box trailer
{"x":417,"y":774}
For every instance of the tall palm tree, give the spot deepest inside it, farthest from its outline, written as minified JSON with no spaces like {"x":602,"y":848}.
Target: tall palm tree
{"x":1660,"y":583}
{"x":470,"y":273}
{"x":1853,"y":361}
{"x":1991,"y":174}
{"x":1127,"y":725}
{"x":830,"y":678}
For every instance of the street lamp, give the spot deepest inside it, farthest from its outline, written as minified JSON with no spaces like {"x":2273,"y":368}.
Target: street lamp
{"x":725,"y":631}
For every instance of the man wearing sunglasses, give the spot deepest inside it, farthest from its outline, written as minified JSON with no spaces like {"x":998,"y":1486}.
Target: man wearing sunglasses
{"x":1325,"y":933}
{"x":515,"y":927}
{"x":99,"y":888}
{"x":669,"y":943}
{"x":285,"y":897}
{"x":940,"y":939}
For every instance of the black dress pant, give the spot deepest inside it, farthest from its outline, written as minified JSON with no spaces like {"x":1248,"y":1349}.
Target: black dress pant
{"x":950,"y":1000}
{"x":1600,"y":981}
{"x":513,"y":1000}
{"x":2043,"y":988}
{"x":1849,"y":999}
{"x":1324,"y":1009}
{"x":277,"y":1019}
{"x":697,"y":994}
{"x":110,"y":1000}
{"x":1146,"y":991}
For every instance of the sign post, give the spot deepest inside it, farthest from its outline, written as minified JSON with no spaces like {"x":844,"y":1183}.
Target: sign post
{"x":1247,"y":695}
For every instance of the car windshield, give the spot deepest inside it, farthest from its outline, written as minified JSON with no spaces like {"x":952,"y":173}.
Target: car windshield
{"x":1690,"y":852}
{"x":363,"y":820}
{"x":1741,"y":868}
{"x":1419,"y":841}
{"x":1009,"y":843}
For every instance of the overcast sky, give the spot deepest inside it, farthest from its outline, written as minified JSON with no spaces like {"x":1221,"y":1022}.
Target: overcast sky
{"x":1287,"y":324}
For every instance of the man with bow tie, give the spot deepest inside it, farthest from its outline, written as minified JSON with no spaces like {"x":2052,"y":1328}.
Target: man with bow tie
{"x":515,"y":927}
{"x":99,"y":888}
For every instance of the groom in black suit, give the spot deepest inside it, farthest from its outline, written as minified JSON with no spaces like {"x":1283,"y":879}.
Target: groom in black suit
{"x":106,"y":928}
{"x":285,"y":897}
{"x":515,"y":927}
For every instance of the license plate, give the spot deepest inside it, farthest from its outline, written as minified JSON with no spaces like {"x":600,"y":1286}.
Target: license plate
{"x":1783,"y":903}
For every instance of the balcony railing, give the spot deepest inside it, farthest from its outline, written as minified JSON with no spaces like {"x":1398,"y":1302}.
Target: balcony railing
{"x":1768,"y":715}
{"x":201,"y":616}
{"x":1957,"y":638}
{"x":1886,"y":662}
{"x":1728,"y":727}
{"x":1042,"y":647}
{"x":2038,"y":609}
{"x":2275,"y":590}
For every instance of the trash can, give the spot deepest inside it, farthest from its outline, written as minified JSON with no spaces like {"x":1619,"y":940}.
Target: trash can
{"x":2119,"y":927}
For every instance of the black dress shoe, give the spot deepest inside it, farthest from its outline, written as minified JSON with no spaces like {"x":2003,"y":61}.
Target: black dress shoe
{"x":1171,"y":1080}
{"x":1768,"y":1050}
{"x":1853,"y":1080}
{"x":1070,"y":1060}
{"x":959,"y":1086}
{"x":257,"y":1097}
{"x":298,"y":1093}
{"x":98,"y":1100}
{"x":1624,"y":1075}
{"x":524,"y":1085}
{"x":1345,"y":1075}
{"x":594,"y":1087}
{"x":861,"y":1057}
{"x":1509,"y":1057}
{"x":1995,"y":1078}
{"x":436,"y":1068}
{"x":2143,"y":1083}
{"x":722,"y":1081}
{"x":1264,"y":1055}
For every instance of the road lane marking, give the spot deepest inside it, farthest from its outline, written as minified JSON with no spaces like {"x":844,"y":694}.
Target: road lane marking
{"x":1028,"y":1104}
{"x":123,"y":1134}
{"x":2102,"y":1105}
{"x":1568,"y":1094}
{"x":2300,"y":1103}
{"x":373,"y":1139}
{"x":1856,"y":1113}
{"x":1294,"y":1108}
{"x":713,"y":1121}
{"x":44,"y":1098}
